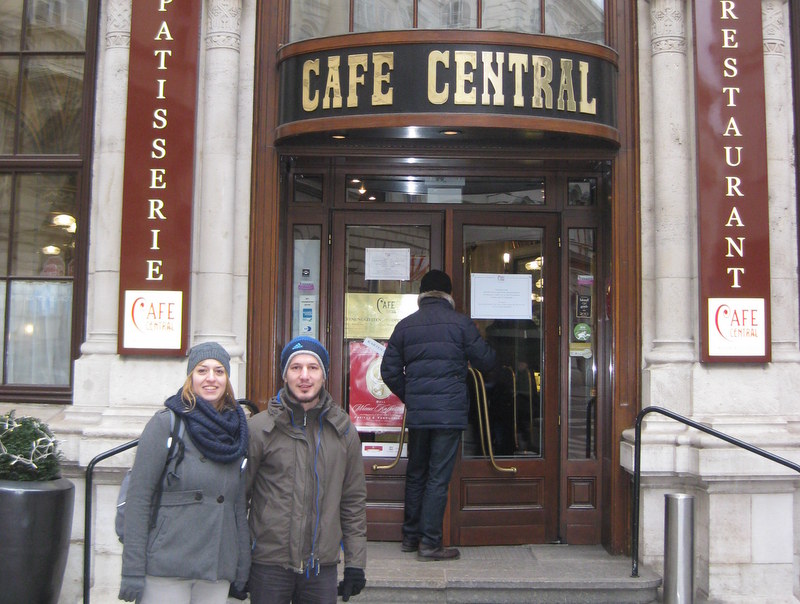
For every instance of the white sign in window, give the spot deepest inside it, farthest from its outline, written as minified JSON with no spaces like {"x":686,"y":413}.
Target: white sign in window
{"x":500,"y":296}
{"x":387,"y":264}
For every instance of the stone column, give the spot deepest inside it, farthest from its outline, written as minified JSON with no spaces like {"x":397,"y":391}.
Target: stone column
{"x":782,"y":200}
{"x":109,"y":162}
{"x":674,"y":214}
{"x":215,"y":210}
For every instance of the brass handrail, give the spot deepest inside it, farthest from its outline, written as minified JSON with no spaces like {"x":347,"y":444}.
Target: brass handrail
{"x":514,"y":403}
{"x":478,"y":405}
{"x":485,"y":413}
{"x":400,"y":441}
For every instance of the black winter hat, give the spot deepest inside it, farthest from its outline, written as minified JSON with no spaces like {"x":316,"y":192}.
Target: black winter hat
{"x":436,"y":281}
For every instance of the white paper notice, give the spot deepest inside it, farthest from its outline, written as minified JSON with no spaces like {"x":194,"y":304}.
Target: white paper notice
{"x":499,"y":296}
{"x":387,"y":264}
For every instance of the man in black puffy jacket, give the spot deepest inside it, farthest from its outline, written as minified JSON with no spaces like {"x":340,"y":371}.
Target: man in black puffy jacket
{"x":425,"y":365}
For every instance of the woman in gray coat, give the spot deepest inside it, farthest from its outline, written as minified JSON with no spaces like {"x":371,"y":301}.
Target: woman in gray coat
{"x":194,"y":547}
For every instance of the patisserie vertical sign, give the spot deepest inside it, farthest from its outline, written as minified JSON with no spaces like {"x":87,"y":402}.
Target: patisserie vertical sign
{"x":155,"y":254}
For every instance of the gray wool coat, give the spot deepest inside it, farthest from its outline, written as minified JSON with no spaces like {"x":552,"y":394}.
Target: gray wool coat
{"x":201,"y":530}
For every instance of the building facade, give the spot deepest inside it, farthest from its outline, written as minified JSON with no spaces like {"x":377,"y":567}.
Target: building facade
{"x":612,"y":186}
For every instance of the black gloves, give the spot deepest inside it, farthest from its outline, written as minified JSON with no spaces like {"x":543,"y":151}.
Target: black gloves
{"x":238,"y":591}
{"x":131,"y":588}
{"x":354,"y":581}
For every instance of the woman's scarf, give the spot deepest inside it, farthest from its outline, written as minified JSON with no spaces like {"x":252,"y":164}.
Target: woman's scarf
{"x":220,"y":436}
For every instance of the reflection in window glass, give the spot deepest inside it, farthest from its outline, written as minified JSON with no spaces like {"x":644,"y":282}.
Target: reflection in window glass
{"x":580,"y":19}
{"x":8,"y":103}
{"x":582,"y":192}
{"x":51,"y":107}
{"x":10,"y":25}
{"x":45,"y":225}
{"x":318,"y":18}
{"x":447,"y":14}
{"x":39,"y":333}
{"x":56,"y":25}
{"x":6,"y":190}
{"x":445,"y":189}
{"x":524,"y":16}
{"x":307,"y":189}
{"x":582,"y":344}
{"x":382,"y":15}
{"x":306,"y":280}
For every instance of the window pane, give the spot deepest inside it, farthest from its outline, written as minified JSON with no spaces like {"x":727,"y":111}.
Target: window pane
{"x":307,"y":189}
{"x":39,"y":333}
{"x":8,"y":103}
{"x":318,"y":18}
{"x":6,"y":188}
{"x":56,"y":25}
{"x":10,"y":24}
{"x":52,"y":90}
{"x":445,"y":189}
{"x":380,"y":15}
{"x":582,"y":191}
{"x":447,"y":14}
{"x":521,"y":15}
{"x":582,"y":348}
{"x":306,"y":283}
{"x":44,"y":225}
{"x":581,"y":19}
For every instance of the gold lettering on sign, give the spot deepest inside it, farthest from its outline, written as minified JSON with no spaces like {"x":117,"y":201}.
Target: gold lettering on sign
{"x":733,"y":184}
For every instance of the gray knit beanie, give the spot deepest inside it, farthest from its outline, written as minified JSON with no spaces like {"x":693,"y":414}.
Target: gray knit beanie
{"x":208,"y":350}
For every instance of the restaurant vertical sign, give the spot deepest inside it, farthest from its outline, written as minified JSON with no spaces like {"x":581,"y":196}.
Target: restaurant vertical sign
{"x":155,"y":258}
{"x":732,"y":192}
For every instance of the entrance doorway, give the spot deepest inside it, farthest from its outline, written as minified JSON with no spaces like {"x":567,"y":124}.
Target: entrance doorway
{"x":525,"y":266}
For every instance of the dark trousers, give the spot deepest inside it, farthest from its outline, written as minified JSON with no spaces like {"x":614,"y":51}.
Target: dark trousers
{"x":275,"y":585}
{"x":431,"y":458}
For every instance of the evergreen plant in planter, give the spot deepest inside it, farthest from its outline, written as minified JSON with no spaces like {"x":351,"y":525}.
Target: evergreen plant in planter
{"x":36,"y":506}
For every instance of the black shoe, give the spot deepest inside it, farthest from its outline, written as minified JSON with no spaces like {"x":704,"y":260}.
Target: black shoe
{"x":437,"y":553}
{"x":410,"y":544}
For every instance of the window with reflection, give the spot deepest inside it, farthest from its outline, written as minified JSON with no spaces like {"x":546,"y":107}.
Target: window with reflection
{"x":445,"y":189}
{"x":43,"y":59}
{"x":578,"y":19}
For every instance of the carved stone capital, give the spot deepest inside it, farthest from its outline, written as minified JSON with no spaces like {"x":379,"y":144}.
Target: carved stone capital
{"x":668,"y":25}
{"x":224,"y":18}
{"x":773,"y":26}
{"x":118,"y":24}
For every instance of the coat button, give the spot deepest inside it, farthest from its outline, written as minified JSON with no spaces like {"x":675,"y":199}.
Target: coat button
{"x":220,"y":499}
{"x":198,"y":496}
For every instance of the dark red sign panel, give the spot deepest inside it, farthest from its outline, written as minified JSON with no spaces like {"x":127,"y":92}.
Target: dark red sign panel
{"x":732,"y":194}
{"x":155,"y":259}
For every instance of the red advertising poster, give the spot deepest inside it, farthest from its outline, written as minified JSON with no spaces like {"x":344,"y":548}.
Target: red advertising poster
{"x":373,"y":408}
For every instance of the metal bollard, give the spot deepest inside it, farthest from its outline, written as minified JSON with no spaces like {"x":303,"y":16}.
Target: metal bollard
{"x":678,"y":548}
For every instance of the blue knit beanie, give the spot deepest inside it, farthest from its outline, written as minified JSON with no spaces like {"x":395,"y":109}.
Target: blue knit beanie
{"x":208,"y":350}
{"x":305,"y":345}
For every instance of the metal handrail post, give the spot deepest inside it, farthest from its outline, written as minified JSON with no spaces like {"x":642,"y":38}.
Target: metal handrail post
{"x":87,"y":514}
{"x":637,"y":458}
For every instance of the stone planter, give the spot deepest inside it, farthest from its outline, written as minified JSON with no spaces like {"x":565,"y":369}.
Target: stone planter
{"x":35,"y":524}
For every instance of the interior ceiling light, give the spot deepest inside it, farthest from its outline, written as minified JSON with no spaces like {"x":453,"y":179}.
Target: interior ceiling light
{"x":362,"y":189}
{"x":338,"y":136}
{"x":51,"y":250}
{"x":450,"y":132}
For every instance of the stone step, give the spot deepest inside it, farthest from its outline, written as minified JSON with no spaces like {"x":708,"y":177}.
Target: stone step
{"x":530,"y":574}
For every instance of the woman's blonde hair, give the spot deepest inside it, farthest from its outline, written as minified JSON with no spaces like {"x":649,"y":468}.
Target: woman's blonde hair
{"x":190,"y":398}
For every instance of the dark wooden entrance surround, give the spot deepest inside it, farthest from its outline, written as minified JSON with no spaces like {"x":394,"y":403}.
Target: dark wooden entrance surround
{"x":507,"y":145}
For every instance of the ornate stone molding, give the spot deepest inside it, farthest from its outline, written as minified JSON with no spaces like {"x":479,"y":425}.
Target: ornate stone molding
{"x":667,"y":19}
{"x":118,"y":24}
{"x":773,"y":26}
{"x":224,"y":17}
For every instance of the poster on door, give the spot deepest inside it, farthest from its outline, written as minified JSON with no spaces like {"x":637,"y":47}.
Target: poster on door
{"x":373,"y":408}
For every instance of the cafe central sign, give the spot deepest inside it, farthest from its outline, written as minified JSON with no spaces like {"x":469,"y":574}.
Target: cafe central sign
{"x":410,"y":80}
{"x":732,"y":203}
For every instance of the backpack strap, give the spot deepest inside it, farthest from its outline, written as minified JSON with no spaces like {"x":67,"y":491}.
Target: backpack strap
{"x":175,"y":441}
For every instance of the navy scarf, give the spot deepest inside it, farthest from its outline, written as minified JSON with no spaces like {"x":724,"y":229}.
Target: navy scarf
{"x":220,"y":436}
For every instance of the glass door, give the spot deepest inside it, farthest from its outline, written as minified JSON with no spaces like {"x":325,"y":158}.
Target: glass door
{"x":505,"y":488}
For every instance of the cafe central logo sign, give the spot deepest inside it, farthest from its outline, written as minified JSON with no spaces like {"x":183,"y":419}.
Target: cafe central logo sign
{"x":406,"y":81}
{"x":732,"y":203}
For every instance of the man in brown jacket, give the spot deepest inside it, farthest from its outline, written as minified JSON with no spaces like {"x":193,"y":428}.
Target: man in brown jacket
{"x":306,"y":487}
